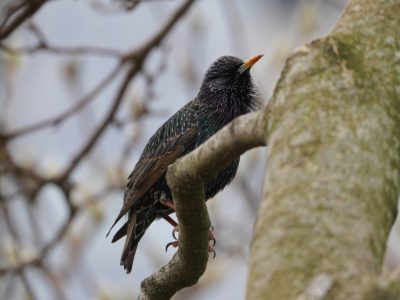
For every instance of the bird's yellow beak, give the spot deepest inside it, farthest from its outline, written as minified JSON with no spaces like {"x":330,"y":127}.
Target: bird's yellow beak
{"x":249,"y":63}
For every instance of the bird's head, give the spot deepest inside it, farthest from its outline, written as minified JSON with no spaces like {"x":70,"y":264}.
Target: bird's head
{"x":228,"y":81}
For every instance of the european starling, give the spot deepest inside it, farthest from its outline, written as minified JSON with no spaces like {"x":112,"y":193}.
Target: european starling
{"x":227,"y":91}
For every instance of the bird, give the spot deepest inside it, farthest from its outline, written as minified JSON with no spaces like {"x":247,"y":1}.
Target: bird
{"x":226,"y":92}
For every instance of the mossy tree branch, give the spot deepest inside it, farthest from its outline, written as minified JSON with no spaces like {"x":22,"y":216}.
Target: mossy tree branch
{"x":186,"y":178}
{"x":333,"y":181}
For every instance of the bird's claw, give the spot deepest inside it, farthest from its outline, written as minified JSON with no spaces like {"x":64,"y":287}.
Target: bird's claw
{"x":211,"y":236}
{"x":176,"y":244}
{"x":211,"y":250}
{"x":174,"y":231}
{"x":173,"y":244}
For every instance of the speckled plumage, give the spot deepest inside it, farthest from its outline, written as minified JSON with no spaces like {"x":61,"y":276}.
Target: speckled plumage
{"x":225,"y":94}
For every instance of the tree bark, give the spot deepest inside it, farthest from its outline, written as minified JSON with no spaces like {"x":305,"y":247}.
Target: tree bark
{"x":332,"y":183}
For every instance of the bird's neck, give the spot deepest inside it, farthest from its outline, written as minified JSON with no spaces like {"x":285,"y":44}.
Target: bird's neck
{"x":226,"y":106}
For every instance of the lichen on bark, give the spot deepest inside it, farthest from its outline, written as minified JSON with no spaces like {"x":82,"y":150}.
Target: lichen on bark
{"x":332,"y":183}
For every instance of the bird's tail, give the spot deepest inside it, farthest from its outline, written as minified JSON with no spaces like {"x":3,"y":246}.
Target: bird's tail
{"x":134,"y":229}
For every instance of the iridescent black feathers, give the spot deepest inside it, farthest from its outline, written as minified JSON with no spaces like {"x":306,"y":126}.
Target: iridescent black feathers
{"x":227,"y":91}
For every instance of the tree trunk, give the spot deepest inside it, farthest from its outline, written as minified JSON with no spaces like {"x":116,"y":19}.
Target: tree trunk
{"x":332,"y":183}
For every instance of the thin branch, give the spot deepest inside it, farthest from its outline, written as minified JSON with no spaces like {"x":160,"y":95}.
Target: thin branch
{"x":103,"y":125}
{"x":11,"y":9}
{"x":143,"y":51}
{"x":90,"y":50}
{"x":186,"y":178}
{"x":121,"y":5}
{"x":54,"y":121}
{"x":44,"y":45}
{"x":19,"y":15}
{"x":37,"y":259}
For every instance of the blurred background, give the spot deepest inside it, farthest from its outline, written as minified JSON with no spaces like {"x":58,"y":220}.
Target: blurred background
{"x":67,"y":145}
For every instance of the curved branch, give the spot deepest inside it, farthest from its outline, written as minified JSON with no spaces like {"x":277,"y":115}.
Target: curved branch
{"x":186,"y":178}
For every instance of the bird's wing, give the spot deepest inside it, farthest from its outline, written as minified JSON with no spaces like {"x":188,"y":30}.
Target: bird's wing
{"x":153,"y":165}
{"x":149,"y":169}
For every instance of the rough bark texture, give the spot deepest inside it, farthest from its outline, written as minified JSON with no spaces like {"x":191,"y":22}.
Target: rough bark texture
{"x":332,"y":183}
{"x":186,"y":178}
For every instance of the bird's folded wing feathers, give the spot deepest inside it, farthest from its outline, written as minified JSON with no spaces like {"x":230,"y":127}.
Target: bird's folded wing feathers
{"x":153,"y":166}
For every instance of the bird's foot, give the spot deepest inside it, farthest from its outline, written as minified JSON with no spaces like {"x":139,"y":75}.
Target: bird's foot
{"x":210,"y":238}
{"x":175,"y":244}
{"x":211,"y":250}
{"x":210,"y":234}
{"x":174,"y":231}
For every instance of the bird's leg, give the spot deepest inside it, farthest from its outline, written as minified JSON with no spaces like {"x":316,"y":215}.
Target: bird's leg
{"x":174,"y":224}
{"x":171,"y":221}
{"x":171,"y":204}
{"x":168,"y":203}
{"x":176,"y":229}
{"x":176,"y":244}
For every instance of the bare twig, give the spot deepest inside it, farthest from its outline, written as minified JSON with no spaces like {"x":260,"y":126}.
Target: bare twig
{"x":186,"y":178}
{"x":44,"y":44}
{"x":37,"y":259}
{"x":54,"y":121}
{"x":121,"y":4}
{"x":18,"y":15}
{"x":10,"y":10}
{"x":89,"y":50}
{"x":103,"y":125}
